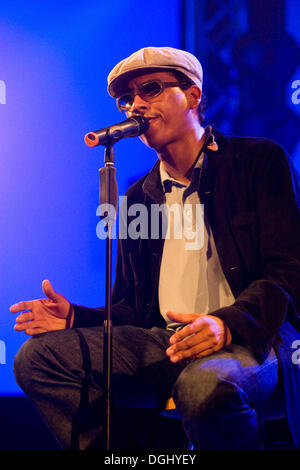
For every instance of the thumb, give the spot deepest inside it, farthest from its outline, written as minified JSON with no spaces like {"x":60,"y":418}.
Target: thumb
{"x":49,"y":291}
{"x":182,"y":317}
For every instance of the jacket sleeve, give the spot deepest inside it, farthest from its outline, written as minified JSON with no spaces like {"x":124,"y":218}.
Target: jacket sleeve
{"x":260,"y":310}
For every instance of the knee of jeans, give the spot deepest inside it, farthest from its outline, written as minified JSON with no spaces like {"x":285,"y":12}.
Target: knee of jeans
{"x":204,"y":392}
{"x":26,"y":361}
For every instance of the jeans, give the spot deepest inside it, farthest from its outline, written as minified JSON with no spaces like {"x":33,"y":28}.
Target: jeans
{"x":219,"y":396}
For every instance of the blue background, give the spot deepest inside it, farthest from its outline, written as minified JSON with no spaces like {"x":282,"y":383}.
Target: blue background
{"x":54,"y":59}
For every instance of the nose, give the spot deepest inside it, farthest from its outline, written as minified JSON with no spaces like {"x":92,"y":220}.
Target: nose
{"x":138,"y":105}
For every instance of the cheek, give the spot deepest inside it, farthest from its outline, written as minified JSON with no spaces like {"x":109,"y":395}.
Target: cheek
{"x":176,"y":110}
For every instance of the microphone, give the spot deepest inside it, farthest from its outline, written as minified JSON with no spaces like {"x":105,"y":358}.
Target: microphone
{"x":131,"y":127}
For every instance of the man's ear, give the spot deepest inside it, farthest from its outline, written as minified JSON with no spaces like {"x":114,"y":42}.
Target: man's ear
{"x":194,"y":96}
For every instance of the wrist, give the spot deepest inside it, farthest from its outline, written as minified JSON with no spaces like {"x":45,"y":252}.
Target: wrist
{"x":227,"y":335}
{"x":70,"y":317}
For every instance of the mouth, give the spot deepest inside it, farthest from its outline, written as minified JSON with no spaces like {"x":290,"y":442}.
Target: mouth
{"x":152,"y":123}
{"x":151,"y":119}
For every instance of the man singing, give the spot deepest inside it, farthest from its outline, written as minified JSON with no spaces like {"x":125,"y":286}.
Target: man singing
{"x":211,"y":324}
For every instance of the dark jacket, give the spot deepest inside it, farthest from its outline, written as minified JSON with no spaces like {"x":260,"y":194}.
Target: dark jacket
{"x":250,"y":194}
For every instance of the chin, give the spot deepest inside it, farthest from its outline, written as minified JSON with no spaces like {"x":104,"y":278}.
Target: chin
{"x":153,"y":142}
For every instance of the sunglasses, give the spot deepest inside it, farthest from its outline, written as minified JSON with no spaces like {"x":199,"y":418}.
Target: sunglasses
{"x":146,"y":91}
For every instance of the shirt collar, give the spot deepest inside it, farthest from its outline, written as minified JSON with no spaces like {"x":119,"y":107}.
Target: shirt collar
{"x":168,"y":181}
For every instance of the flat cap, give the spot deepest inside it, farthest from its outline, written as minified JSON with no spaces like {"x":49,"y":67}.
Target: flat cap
{"x":151,"y":59}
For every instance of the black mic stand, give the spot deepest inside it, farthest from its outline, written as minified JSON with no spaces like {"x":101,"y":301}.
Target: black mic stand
{"x":109,"y":197}
{"x":108,"y":136}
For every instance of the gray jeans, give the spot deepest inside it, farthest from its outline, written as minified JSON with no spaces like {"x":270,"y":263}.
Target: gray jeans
{"x":219,"y":396}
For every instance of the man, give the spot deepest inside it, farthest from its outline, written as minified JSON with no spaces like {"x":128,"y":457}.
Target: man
{"x":208,"y":315}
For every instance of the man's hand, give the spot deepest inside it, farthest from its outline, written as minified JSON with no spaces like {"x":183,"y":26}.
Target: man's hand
{"x":203,"y":335}
{"x":42,"y":315}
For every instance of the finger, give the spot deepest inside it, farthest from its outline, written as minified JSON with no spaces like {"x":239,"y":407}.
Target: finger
{"x":35,"y":331}
{"x":182,"y":317}
{"x":190,"y":329}
{"x":186,"y":347}
{"x":49,"y":291}
{"x":22,"y":326}
{"x":203,"y":349}
{"x":21,"y":306}
{"x":24,"y":317}
{"x":205,"y":352}
{"x":29,"y":325}
{"x":189,"y":342}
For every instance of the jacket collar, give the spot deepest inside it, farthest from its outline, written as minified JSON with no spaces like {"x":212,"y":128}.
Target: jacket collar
{"x":152,"y":185}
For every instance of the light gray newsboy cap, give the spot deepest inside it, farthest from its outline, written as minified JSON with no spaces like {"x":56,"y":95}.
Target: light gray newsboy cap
{"x":151,"y":59}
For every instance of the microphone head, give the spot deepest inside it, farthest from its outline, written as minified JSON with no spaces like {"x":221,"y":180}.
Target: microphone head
{"x":131,"y":127}
{"x":91,"y":139}
{"x":142,"y":122}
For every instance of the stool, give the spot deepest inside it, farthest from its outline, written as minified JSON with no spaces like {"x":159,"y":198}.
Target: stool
{"x":275,"y":430}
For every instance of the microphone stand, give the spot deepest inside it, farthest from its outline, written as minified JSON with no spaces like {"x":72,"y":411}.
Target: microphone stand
{"x":107,"y":136}
{"x":109,"y":197}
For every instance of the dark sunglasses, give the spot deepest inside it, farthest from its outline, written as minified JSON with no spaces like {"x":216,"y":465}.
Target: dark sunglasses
{"x":146,"y":91}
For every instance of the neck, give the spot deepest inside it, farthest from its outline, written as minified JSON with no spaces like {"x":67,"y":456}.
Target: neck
{"x":179,"y":158}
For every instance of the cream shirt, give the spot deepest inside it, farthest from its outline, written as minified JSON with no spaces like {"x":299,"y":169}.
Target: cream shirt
{"x":191,"y":277}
